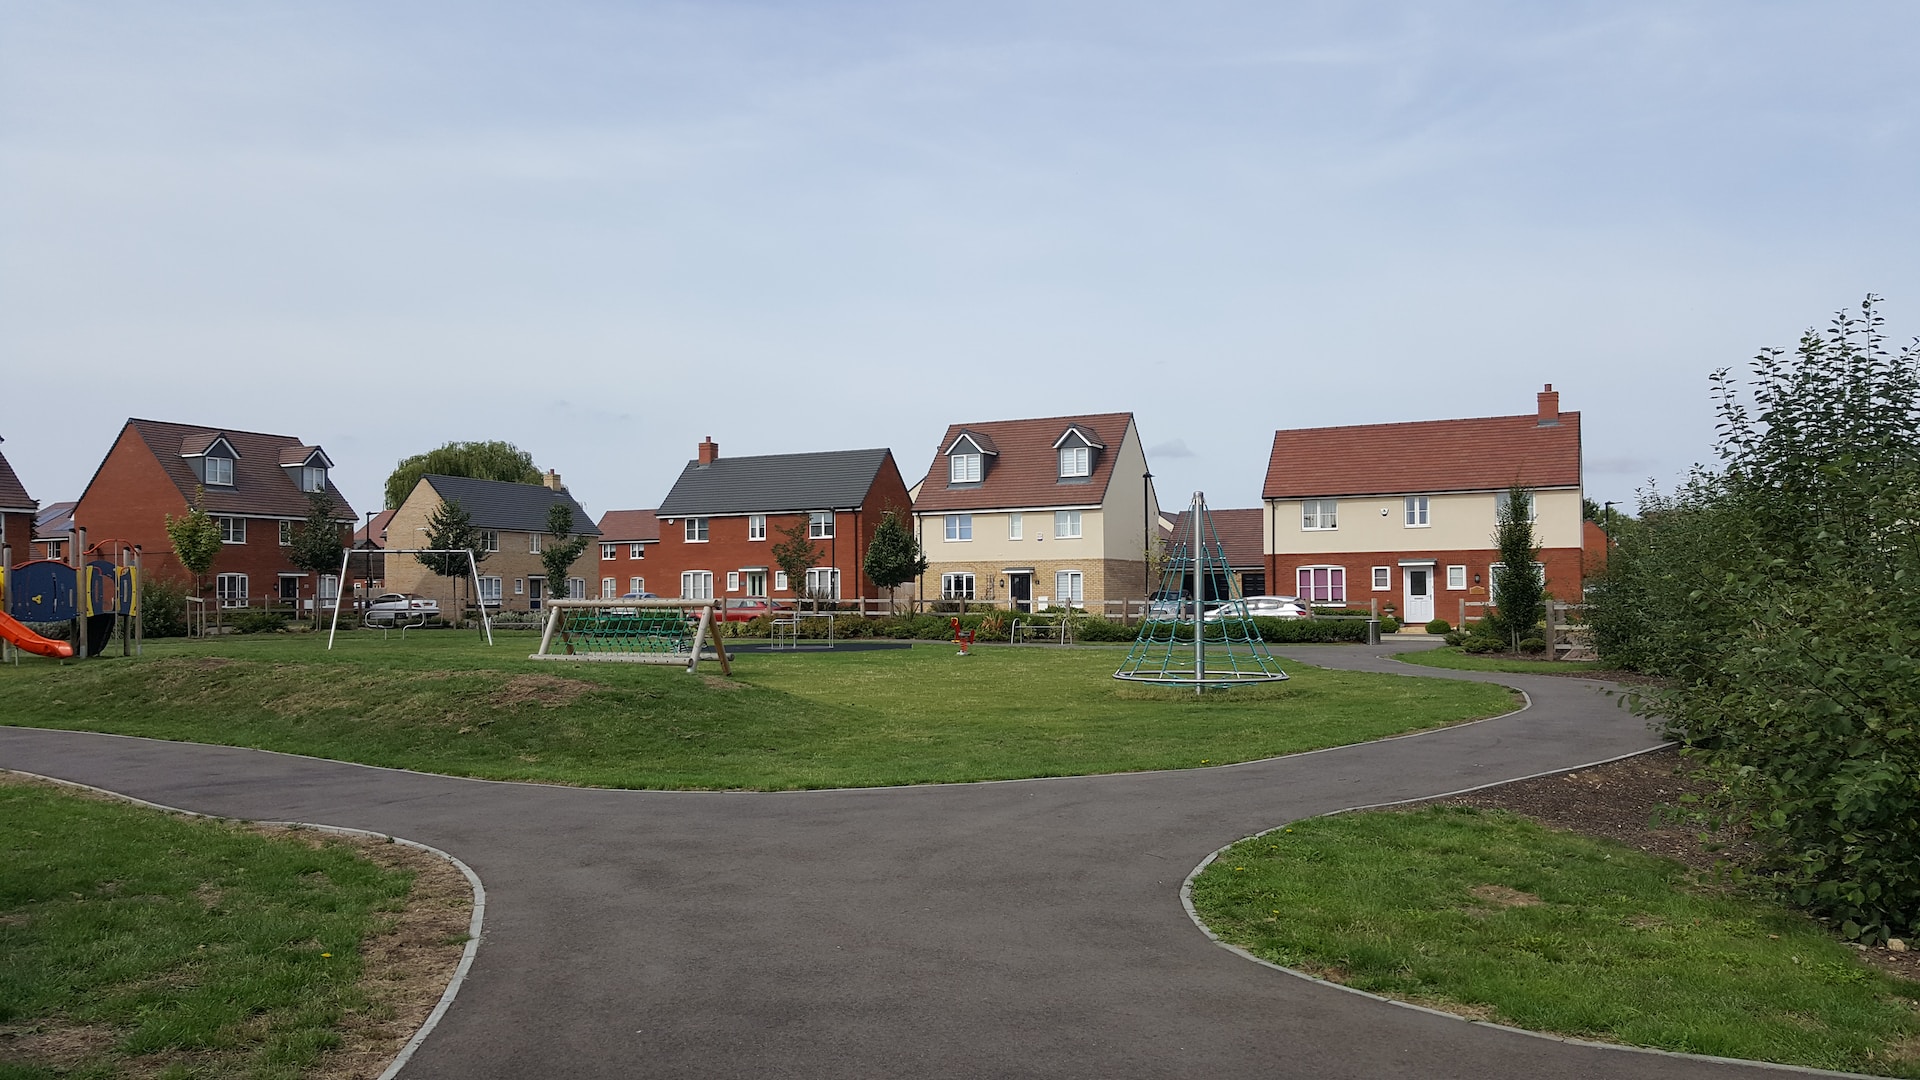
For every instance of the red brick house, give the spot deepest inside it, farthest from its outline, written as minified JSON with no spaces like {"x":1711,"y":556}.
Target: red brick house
{"x":52,"y":530}
{"x":625,"y":538}
{"x":256,"y":485}
{"x":720,"y":522}
{"x":17,"y":509}
{"x":1404,"y":514}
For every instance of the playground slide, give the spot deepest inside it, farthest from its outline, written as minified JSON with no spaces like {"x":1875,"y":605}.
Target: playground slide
{"x":16,"y":632}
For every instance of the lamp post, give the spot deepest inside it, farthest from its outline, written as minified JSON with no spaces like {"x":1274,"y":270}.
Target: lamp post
{"x":1147,"y":536}
{"x":1606,"y":524}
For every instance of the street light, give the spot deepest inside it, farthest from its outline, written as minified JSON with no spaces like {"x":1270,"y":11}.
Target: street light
{"x":1606,"y":525}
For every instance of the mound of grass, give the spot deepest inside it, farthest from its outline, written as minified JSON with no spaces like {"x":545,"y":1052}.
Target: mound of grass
{"x":1493,"y":916}
{"x":444,"y":703}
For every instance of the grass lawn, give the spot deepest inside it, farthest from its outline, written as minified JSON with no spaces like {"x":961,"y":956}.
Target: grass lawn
{"x":1488,"y":914}
{"x":137,"y":943}
{"x":1451,"y":656}
{"x":444,"y":702}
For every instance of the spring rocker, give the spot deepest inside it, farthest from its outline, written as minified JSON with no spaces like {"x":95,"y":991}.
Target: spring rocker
{"x":962,"y":638}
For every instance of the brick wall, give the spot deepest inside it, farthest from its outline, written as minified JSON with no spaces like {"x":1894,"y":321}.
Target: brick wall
{"x":18,"y":532}
{"x":1563,"y":575}
{"x":1101,"y":580}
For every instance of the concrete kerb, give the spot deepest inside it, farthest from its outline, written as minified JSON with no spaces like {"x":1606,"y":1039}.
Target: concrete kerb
{"x":473,"y":880}
{"x":1186,"y":902}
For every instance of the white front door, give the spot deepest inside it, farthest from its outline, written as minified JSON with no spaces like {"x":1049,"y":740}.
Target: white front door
{"x":1419,"y":605}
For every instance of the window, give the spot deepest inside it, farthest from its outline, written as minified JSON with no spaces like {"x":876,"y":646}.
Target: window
{"x":697,"y":584}
{"x":1066,"y":525}
{"x":1323,"y":584}
{"x":219,"y":471}
{"x":329,"y":588}
{"x":1416,"y":511}
{"x":963,"y":469}
{"x":823,"y":583}
{"x":1500,"y":505}
{"x":1016,"y":524}
{"x":733,"y":581}
{"x":232,"y":530}
{"x":1456,"y":577}
{"x":636,"y":584}
{"x":606,"y":588}
{"x":780,"y":580}
{"x":1382,"y":578}
{"x":959,"y":527}
{"x":1493,"y":579}
{"x":1074,"y":461}
{"x":313,"y":478}
{"x":756,"y":526}
{"x":956,"y":586}
{"x":576,"y":588}
{"x":533,"y":543}
{"x":286,"y":534}
{"x":490,"y":590}
{"x":1320,"y":514}
{"x":820,"y":525}
{"x":696,"y":532}
{"x":609,"y":551}
{"x":636,"y":551}
{"x":232,"y":590}
{"x":490,"y":541}
{"x":519,"y":586}
{"x":1067,"y":588}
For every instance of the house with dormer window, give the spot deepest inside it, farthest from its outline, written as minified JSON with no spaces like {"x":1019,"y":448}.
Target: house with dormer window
{"x":1020,"y":514}
{"x":256,"y":485}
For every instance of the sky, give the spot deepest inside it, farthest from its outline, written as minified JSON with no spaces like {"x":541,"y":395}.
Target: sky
{"x":603,"y":231}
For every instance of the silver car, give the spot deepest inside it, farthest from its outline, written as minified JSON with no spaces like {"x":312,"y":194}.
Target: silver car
{"x":1265,"y":607}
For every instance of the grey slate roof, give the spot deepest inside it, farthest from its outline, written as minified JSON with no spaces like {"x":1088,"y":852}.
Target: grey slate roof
{"x":775,"y":483}
{"x":496,"y":504}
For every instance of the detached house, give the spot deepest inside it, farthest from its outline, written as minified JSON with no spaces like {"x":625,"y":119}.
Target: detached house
{"x":1405,"y":513}
{"x":719,"y":524}
{"x":512,"y":522}
{"x":17,"y":510}
{"x":52,"y":528}
{"x":625,"y":538}
{"x":256,"y":486}
{"x":1057,"y":511}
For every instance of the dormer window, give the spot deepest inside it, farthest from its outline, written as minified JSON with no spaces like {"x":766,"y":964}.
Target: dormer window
{"x":219,"y":471}
{"x":963,"y":469}
{"x":313,"y":478}
{"x":967,"y":457}
{"x":1075,"y":461}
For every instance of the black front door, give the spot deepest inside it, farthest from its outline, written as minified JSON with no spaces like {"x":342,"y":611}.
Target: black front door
{"x":1020,"y":587}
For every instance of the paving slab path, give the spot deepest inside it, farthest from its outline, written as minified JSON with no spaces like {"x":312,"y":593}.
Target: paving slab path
{"x":1020,"y":929}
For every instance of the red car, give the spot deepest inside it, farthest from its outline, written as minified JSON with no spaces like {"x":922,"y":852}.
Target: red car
{"x":748,"y":609}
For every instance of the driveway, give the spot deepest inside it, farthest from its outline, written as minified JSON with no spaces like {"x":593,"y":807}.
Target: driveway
{"x":1022,"y":929}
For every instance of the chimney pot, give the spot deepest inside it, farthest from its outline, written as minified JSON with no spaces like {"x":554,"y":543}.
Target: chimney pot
{"x":1549,"y":407}
{"x":552,"y":481}
{"x":709,"y":451}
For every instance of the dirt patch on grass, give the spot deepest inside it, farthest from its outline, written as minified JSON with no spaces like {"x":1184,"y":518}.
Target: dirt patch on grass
{"x":547,"y":691}
{"x":1500,"y":896}
{"x":54,"y":1044}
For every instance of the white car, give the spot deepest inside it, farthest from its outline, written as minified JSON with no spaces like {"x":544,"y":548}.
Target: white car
{"x":391,"y":609}
{"x":1266,"y":607}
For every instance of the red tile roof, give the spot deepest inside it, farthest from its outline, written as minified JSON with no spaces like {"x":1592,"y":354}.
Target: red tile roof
{"x":13,"y":494}
{"x":1241,"y":533}
{"x":1481,"y":454}
{"x":1026,"y":470}
{"x":627,"y":526}
{"x":376,"y":528}
{"x":260,"y":486}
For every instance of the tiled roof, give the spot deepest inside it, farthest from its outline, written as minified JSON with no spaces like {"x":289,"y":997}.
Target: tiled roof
{"x":1026,"y":471}
{"x":376,"y":528}
{"x":498,"y":504}
{"x":298,"y":455}
{"x":1481,"y":454}
{"x":260,"y":486}
{"x":775,"y":483}
{"x":627,"y":526}
{"x":13,"y":494}
{"x":54,"y":519}
{"x":1240,"y":533}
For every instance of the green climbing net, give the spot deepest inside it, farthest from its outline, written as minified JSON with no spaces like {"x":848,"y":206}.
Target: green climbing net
{"x":625,"y":633}
{"x":1198,"y":596}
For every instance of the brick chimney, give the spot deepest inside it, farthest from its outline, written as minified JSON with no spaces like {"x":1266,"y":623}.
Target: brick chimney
{"x":552,"y":481}
{"x":1549,"y":407}
{"x":709,"y":451}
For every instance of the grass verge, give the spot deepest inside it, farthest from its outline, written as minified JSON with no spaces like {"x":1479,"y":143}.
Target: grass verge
{"x":1492,"y":916}
{"x":1451,"y":656}
{"x":445,"y":703}
{"x":139,"y":943}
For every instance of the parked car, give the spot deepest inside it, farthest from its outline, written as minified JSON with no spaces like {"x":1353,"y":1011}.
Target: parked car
{"x":1168,"y":604}
{"x":748,"y":609}
{"x":1266,"y":607}
{"x":631,"y":596}
{"x":390,"y":609}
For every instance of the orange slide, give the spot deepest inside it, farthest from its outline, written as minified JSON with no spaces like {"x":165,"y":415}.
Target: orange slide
{"x":16,"y":631}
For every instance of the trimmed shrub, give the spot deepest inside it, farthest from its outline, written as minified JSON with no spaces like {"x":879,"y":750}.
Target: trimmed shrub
{"x":1456,"y":637}
{"x":1533,"y":645}
{"x":257,"y":621}
{"x":1439,"y":626}
{"x":163,"y":608}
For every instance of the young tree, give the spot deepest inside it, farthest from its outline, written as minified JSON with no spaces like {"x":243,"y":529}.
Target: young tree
{"x":1519,"y":596}
{"x":450,"y":526}
{"x":480,"y":460}
{"x":561,"y":549}
{"x":796,"y":555}
{"x":316,"y":544}
{"x":896,"y":556}
{"x":196,"y":543}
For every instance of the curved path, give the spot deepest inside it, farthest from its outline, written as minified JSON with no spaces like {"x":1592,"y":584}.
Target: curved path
{"x":988,"y":930}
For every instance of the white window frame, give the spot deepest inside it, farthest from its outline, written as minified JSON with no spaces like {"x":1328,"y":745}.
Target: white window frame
{"x":1313,"y":589}
{"x":1076,"y":462}
{"x":607,"y":585}
{"x":963,"y":469}
{"x":1456,"y":577}
{"x":956,"y":586}
{"x":756,"y":526}
{"x":1500,"y":503}
{"x":1319,"y":515}
{"x":519,"y":586}
{"x":696,"y":584}
{"x":695,"y":530}
{"x":780,"y":581}
{"x":576,"y":588}
{"x":959,"y":528}
{"x":313,"y":478}
{"x":636,"y":551}
{"x":831,"y":575}
{"x":286,"y":534}
{"x":490,"y":541}
{"x":1066,"y":525}
{"x":329,"y":588}
{"x":1539,"y":571}
{"x":1016,"y":525}
{"x":224,"y":588}
{"x":820,"y":525}
{"x":1418,"y":509}
{"x":1383,"y":579}
{"x":733,"y":581}
{"x":533,"y":543}
{"x":636,"y":584}
{"x":233,"y":530}
{"x":1069,"y":588}
{"x":490,"y":589}
{"x":609,"y":551}
{"x":221,"y":476}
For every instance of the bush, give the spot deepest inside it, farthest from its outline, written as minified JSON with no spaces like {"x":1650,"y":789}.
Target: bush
{"x":1480,"y":643}
{"x":1389,"y":624}
{"x":1098,"y":629}
{"x":163,"y":608}
{"x":1439,"y":626}
{"x":1533,"y":645}
{"x":1456,"y":637}
{"x":257,"y":621}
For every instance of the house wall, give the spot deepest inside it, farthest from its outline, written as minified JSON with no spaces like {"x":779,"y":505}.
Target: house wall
{"x":17,"y":530}
{"x":728,"y":549}
{"x":623,"y":567}
{"x":1563,"y":575}
{"x":1459,"y":522}
{"x":1100,"y":579}
{"x":514,"y":564}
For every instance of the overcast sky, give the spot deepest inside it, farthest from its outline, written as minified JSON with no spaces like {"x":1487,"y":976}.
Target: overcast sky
{"x":603,"y":231}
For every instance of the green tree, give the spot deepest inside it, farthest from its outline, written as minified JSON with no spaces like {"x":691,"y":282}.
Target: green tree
{"x":1519,"y":596}
{"x":895,"y":556}
{"x":317,"y":545}
{"x":451,"y":527}
{"x":479,"y":460}
{"x":196,"y":543}
{"x":561,"y":548}
{"x":796,"y":554}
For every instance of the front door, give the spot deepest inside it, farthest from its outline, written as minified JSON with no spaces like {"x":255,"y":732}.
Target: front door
{"x":1020,"y":588}
{"x":536,"y":588}
{"x":756,"y":582}
{"x":1419,"y":594}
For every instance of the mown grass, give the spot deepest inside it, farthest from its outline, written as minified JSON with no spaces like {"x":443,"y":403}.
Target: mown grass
{"x":1451,"y":656}
{"x":1492,"y":915}
{"x":446,"y":703}
{"x":136,"y":943}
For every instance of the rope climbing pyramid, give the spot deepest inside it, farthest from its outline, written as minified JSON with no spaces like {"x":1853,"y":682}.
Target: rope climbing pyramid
{"x":1197,"y":632}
